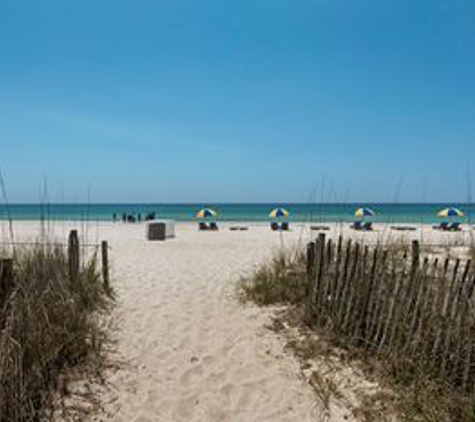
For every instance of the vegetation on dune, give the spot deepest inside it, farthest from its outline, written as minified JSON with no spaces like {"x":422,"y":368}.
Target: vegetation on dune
{"x":48,"y":323}
{"x":409,"y":365}
{"x":281,"y":280}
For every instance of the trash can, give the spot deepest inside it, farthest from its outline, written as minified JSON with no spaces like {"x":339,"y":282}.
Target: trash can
{"x":160,"y":230}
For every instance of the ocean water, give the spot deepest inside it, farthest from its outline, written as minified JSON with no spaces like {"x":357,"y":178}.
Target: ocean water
{"x":387,"y":213}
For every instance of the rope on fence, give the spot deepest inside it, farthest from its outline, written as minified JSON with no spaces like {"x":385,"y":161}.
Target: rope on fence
{"x":74,"y":257}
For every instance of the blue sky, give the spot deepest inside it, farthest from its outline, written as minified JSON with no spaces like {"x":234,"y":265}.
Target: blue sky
{"x":204,"y":101}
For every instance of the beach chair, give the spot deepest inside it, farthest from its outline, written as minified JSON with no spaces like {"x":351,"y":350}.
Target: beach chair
{"x":404,"y":228}
{"x":319,"y":228}
{"x":274,"y":226}
{"x":202,"y":226}
{"x":357,"y":225}
{"x":368,"y":226}
{"x":284,"y":226}
{"x":444,"y":226}
{"x":213,"y":226}
{"x":455,"y":227}
{"x":239,"y":228}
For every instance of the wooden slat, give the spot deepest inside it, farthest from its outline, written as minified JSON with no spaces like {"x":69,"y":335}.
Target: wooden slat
{"x":447,"y":334}
{"x":73,"y":255}
{"x":376,"y":303}
{"x":334,"y":285}
{"x":348,"y":306}
{"x":310,"y":287}
{"x":357,"y":318}
{"x":105,"y":265}
{"x":343,"y":286}
{"x":420,"y":306}
{"x":321,"y":267}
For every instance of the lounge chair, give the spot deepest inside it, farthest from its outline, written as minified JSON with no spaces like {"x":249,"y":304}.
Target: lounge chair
{"x":284,"y":226}
{"x":238,"y":228}
{"x":319,"y":228}
{"x":213,"y":226}
{"x":357,"y":225}
{"x":274,"y":226}
{"x":404,"y":228}
{"x":368,"y":226}
{"x":455,"y":227}
{"x":444,"y":226}
{"x":202,"y":226}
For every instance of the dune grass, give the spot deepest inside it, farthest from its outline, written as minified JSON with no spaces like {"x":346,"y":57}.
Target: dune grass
{"x":47,"y":324}
{"x":281,"y":280}
{"x":419,"y":393}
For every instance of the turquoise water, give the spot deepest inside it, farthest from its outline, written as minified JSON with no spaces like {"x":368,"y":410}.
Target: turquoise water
{"x":397,"y":213}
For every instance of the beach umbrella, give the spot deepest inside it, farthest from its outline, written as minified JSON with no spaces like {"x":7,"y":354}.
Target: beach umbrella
{"x":364,"y":212}
{"x":206,"y":213}
{"x":279,"y":212}
{"x":451,"y":212}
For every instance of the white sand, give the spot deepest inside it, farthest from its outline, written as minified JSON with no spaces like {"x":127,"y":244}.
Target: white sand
{"x":188,"y":350}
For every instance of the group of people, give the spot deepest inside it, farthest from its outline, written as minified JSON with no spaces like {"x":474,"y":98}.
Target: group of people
{"x":133,"y":218}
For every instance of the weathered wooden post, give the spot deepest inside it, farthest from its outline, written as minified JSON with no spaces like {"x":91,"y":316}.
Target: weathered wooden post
{"x":310,"y":277}
{"x":319,"y":264}
{"x":105,"y":264}
{"x":416,"y":256}
{"x":73,"y":255}
{"x":6,"y":279}
{"x":310,"y":266}
{"x":314,"y":250}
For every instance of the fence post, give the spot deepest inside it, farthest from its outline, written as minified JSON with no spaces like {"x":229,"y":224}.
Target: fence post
{"x":73,"y":255}
{"x":314,"y":250}
{"x":416,"y":253}
{"x":105,"y":264}
{"x":310,"y":265}
{"x":319,"y":263}
{"x":6,"y":279}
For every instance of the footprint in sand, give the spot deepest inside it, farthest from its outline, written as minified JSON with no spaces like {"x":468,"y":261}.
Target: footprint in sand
{"x":191,"y":375}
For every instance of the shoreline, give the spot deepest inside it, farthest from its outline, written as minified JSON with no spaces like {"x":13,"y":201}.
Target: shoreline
{"x":410,"y":213}
{"x":426,"y":234}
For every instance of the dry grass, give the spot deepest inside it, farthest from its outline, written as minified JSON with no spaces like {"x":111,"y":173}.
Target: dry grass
{"x":422,"y":392}
{"x":279,"y":281}
{"x":47,"y":325}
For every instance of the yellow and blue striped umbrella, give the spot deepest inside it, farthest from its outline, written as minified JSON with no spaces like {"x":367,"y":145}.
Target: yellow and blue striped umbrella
{"x":206,"y":213}
{"x":364,"y":212}
{"x":451,"y":212}
{"x":279,"y":212}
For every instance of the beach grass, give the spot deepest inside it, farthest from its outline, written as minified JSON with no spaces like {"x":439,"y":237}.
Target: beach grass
{"x":48,"y":325}
{"x":281,"y":280}
{"x":420,"y":392}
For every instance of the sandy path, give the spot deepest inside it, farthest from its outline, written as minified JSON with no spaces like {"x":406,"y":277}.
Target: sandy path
{"x":190,"y":351}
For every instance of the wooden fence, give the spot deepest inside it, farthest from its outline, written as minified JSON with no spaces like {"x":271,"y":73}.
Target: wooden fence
{"x":74,"y":261}
{"x":74,"y":258}
{"x":419,"y":310}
